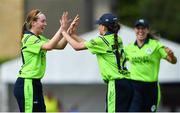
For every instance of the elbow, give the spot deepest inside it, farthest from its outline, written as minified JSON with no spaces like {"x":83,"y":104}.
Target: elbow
{"x":79,"y":46}
{"x":48,"y":48}
{"x":76,"y":48}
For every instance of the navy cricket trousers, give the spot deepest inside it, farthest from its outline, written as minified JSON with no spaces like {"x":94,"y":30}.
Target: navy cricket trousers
{"x":146,"y":96}
{"x":29,"y":95}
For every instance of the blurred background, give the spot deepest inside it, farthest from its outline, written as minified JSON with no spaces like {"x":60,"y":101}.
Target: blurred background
{"x":73,"y":78}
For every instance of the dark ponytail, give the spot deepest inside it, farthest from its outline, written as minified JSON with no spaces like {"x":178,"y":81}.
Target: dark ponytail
{"x":114,"y":28}
{"x":24,"y":28}
{"x":116,"y":44}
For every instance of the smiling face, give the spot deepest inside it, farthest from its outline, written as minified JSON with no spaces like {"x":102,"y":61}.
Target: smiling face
{"x":39,"y":25}
{"x":141,"y":32}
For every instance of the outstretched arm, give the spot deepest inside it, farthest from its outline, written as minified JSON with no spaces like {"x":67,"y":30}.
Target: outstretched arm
{"x":63,"y":42}
{"x":74,"y":40}
{"x":51,"y":44}
{"x":170,"y":57}
{"x":73,"y":30}
{"x":74,"y":43}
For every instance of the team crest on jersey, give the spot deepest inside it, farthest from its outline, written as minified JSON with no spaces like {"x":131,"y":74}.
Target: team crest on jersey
{"x":148,"y":50}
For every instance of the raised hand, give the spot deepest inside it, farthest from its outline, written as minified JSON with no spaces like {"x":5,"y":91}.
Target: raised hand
{"x":169,"y":51}
{"x":64,"y":21}
{"x":73,"y":27}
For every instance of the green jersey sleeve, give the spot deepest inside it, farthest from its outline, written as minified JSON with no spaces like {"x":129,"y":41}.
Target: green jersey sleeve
{"x":33,"y":44}
{"x":162,"y":50}
{"x":96,"y":46}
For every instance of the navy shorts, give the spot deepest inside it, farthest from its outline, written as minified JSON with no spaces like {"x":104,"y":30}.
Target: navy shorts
{"x":146,"y":96}
{"x":29,"y":95}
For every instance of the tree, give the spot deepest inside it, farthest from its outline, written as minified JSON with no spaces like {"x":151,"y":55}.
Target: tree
{"x":163,"y":15}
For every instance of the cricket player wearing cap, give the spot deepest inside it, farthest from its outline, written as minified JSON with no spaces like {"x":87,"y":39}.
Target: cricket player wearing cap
{"x":144,"y":56}
{"x":108,"y":48}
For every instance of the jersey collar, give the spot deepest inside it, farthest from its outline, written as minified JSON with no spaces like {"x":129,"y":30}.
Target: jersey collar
{"x":145,"y":42}
{"x":29,"y":32}
{"x":108,"y":33}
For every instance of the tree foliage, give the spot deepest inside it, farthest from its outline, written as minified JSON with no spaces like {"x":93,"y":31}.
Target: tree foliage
{"x":163,"y":15}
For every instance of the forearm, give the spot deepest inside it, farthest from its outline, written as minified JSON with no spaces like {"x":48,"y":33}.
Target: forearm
{"x":74,"y":43}
{"x":77,"y":38}
{"x":61,"y":44}
{"x":51,"y":44}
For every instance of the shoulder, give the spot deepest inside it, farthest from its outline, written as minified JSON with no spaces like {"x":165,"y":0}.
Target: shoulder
{"x":43,"y":38}
{"x":129,"y":48}
{"x":155,"y":43}
{"x":130,"y":45}
{"x":153,"y":40}
{"x":119,"y":39}
{"x":96,"y":40}
{"x":29,"y":38}
{"x":111,"y":36}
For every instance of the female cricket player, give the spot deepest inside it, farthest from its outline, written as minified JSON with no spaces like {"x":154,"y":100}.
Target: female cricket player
{"x":144,"y":56}
{"x":28,"y":87}
{"x":108,"y":48}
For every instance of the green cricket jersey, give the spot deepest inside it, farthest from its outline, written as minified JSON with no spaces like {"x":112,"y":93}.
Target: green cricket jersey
{"x":103,"y":47}
{"x":34,"y":58}
{"x":145,"y":61}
